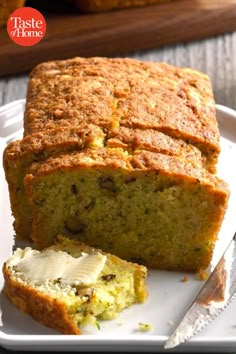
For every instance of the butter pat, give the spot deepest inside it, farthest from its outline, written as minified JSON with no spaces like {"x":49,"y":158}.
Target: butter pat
{"x":51,"y":265}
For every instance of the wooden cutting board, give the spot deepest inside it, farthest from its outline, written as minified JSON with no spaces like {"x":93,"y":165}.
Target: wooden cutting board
{"x":119,"y":32}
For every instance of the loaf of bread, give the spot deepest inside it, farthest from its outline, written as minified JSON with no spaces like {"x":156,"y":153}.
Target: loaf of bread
{"x":105,"y":5}
{"x":140,"y":183}
{"x":7,"y":7}
{"x":59,"y":108}
{"x":71,"y":285}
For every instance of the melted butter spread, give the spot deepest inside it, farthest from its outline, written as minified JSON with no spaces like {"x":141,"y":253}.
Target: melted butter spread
{"x":58,"y":265}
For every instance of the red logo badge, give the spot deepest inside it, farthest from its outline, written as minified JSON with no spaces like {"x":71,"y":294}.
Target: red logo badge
{"x":26,"y":26}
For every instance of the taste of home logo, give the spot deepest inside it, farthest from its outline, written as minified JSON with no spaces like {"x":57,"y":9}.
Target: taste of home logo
{"x":26,"y":26}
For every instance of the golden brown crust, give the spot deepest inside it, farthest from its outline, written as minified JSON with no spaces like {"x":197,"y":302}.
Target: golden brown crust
{"x":86,"y":135}
{"x":154,"y":141}
{"x":89,"y":135}
{"x":124,"y":92}
{"x":48,"y":311}
{"x":142,"y":160}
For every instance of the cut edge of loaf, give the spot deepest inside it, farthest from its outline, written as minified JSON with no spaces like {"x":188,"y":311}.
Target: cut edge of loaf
{"x":152,"y":188}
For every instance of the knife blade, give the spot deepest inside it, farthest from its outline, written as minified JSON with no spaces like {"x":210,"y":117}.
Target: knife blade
{"x":215,"y":295}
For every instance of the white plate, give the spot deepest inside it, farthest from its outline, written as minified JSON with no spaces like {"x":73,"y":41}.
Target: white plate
{"x":168,"y":300}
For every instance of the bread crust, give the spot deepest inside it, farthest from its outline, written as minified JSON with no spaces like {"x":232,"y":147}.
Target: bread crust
{"x":44,"y":309}
{"x":124,"y":92}
{"x":117,"y":158}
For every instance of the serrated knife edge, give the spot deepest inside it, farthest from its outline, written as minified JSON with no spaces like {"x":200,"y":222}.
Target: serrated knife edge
{"x":199,"y":315}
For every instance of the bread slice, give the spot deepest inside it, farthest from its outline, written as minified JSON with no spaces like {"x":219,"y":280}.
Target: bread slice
{"x":64,"y":303}
{"x":19,"y":155}
{"x":155,"y":209}
{"x":123,"y":92}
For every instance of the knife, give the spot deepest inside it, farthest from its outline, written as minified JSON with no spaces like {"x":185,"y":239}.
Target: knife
{"x":215,"y":295}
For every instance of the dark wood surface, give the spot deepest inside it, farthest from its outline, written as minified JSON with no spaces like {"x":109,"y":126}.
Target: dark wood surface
{"x":117,"y":32}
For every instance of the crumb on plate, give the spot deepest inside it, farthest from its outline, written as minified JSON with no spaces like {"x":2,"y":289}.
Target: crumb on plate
{"x":145,"y":327}
{"x":171,"y":323}
{"x":185,"y":279}
{"x":121,"y":323}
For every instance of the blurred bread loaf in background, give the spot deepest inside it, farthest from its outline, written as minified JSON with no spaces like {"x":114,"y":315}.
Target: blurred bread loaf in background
{"x":105,"y":5}
{"x":7,"y":7}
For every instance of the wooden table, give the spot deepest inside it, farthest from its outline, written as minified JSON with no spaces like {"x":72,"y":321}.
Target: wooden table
{"x":215,"y":56}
